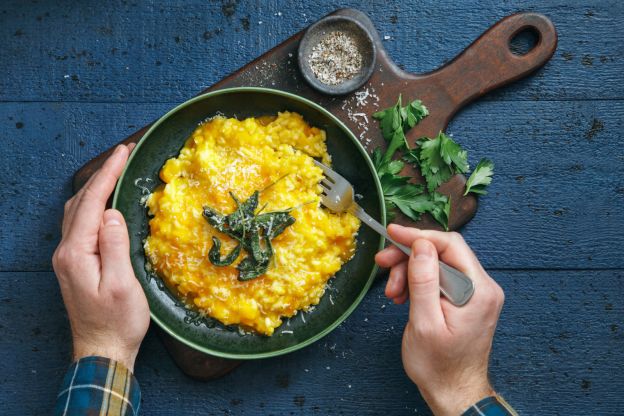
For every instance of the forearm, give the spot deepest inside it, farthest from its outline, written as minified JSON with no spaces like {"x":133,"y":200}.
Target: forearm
{"x":98,"y":385}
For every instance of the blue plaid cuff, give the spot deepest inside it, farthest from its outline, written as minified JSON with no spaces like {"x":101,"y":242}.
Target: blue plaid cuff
{"x":98,"y":386}
{"x":490,"y":406}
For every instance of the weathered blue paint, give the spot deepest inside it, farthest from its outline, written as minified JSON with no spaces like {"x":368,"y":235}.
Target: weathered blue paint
{"x":77,"y":77}
{"x":122,"y":51}
{"x":558,"y":347}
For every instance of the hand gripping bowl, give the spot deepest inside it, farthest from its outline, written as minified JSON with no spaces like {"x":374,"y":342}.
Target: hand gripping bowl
{"x":165,"y":139}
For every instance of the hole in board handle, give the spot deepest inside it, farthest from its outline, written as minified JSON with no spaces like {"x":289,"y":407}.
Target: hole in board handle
{"x":524,"y":41}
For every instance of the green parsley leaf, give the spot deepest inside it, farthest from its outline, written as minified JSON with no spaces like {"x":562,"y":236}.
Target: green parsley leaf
{"x":413,"y":155}
{"x":406,"y":199}
{"x":396,"y":120}
{"x":398,"y":141}
{"x":392,"y":184}
{"x":396,"y":188}
{"x":442,"y":209}
{"x":480,"y":178}
{"x":436,"y":204}
{"x":389,"y":120}
{"x":453,"y":154}
{"x":438,"y":159}
{"x":432,"y":164}
{"x":413,"y":113}
{"x":414,"y":205}
{"x":392,"y":167}
{"x":399,"y":193}
{"x":377,"y":158}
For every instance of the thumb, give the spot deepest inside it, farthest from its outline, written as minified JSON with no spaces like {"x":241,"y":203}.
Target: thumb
{"x":424,"y":283}
{"x":114,"y":246}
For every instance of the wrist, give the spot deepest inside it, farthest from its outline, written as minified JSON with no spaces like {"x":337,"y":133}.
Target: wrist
{"x":120,"y":355}
{"x":455,"y":401}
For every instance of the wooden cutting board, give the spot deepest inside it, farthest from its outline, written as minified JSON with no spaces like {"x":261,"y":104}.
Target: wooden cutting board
{"x":486,"y":64}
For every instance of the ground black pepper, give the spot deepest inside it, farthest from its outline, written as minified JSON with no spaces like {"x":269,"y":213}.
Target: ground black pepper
{"x":336,"y":58}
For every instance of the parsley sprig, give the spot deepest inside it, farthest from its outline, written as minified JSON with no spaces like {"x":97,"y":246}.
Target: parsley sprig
{"x":399,"y":193}
{"x":409,"y":198}
{"x":396,"y":120}
{"x":438,"y":160}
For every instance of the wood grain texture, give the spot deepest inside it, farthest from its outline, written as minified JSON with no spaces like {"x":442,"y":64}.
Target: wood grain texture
{"x":168,"y":51}
{"x":558,"y":340}
{"x":555,"y":201}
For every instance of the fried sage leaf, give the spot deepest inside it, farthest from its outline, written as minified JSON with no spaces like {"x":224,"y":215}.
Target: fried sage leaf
{"x":253,"y":232}
{"x":217,"y":220}
{"x":257,"y":263}
{"x":274,"y":223}
{"x":214,"y":255}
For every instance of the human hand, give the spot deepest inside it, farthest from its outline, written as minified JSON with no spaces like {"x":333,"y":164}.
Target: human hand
{"x":445,"y":348}
{"x":107,"y":308}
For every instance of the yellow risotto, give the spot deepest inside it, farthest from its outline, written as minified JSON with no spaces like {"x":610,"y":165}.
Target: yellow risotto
{"x":242,"y":156}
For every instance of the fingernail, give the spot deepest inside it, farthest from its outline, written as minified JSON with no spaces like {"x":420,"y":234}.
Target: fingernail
{"x":118,"y":149}
{"x":111,"y":218}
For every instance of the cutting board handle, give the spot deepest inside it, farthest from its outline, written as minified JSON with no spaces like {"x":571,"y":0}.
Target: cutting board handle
{"x":489,"y":62}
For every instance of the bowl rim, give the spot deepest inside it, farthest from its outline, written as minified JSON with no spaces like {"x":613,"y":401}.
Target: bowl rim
{"x":329,"y":328}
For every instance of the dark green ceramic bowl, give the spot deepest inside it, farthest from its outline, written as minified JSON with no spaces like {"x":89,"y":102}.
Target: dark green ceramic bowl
{"x":165,"y":139}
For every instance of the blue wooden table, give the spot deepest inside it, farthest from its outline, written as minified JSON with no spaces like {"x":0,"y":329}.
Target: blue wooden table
{"x":76,"y":77}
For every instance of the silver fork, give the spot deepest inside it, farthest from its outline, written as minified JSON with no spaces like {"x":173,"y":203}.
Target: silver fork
{"x":338,"y":197}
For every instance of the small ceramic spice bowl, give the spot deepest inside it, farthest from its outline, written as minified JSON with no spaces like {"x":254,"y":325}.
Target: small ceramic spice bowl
{"x":337,"y":55}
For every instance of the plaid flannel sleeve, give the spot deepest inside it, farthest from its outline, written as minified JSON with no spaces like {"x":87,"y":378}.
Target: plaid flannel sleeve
{"x":98,"y":386}
{"x":490,"y":406}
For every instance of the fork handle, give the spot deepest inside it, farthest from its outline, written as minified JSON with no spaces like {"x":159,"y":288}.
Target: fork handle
{"x":454,"y":285}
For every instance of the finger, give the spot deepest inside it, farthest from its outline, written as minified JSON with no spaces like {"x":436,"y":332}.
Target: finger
{"x":424,"y":284}
{"x":73,"y":202}
{"x":397,"y":281}
{"x":402,"y":298}
{"x":390,"y":256}
{"x":89,"y":209}
{"x":451,"y":248}
{"x":114,"y":245}
{"x":67,"y":215}
{"x":70,"y":206}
